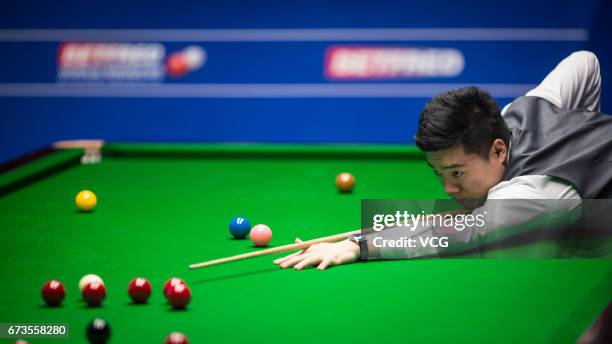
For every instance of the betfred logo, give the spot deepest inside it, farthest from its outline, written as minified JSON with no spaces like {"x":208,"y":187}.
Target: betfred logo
{"x":82,"y":55}
{"x":372,"y":63}
{"x":110,"y":62}
{"x":124,"y":62}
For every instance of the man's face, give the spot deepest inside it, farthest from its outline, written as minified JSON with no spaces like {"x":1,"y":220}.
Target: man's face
{"x":467,"y":178}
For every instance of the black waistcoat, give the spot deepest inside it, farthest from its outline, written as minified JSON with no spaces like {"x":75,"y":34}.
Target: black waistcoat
{"x":573,"y":145}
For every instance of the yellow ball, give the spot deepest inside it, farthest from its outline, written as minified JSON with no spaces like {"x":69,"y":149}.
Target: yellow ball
{"x":86,"y":200}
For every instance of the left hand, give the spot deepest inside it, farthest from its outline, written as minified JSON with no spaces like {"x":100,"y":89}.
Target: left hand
{"x":322,"y":255}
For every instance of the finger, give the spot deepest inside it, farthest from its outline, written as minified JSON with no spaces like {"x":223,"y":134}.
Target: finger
{"x":299,"y":241}
{"x":307,"y":262}
{"x":324,"y":264}
{"x":294,"y":260}
{"x":283,"y":259}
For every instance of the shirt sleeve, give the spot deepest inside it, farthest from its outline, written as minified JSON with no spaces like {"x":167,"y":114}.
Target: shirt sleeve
{"x":575,"y":83}
{"x":512,"y":207}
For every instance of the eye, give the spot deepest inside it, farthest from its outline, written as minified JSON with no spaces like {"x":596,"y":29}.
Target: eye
{"x":437,"y":173}
{"x":457,"y":174}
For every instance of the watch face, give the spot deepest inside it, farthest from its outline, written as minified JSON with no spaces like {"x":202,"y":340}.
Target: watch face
{"x":356,"y":238}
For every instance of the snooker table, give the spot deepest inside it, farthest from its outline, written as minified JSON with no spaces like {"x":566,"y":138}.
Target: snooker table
{"x":162,"y":207}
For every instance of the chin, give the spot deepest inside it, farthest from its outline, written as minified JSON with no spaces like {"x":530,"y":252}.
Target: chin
{"x":470,"y":203}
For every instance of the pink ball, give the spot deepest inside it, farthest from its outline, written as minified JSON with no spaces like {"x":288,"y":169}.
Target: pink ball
{"x":260,"y":235}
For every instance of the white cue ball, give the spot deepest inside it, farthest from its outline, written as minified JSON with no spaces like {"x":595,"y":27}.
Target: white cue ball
{"x":88,"y":279}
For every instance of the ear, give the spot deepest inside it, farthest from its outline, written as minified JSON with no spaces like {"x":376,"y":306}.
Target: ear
{"x":499,"y":151}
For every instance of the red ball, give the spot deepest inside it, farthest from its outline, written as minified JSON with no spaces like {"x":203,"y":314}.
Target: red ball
{"x":139,"y":290}
{"x":171,"y":282}
{"x":94,"y":293}
{"x":53,"y":292}
{"x":176,"y":338}
{"x":179,"y":295}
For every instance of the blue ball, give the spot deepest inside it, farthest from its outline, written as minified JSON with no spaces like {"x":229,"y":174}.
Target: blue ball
{"x":239,"y":227}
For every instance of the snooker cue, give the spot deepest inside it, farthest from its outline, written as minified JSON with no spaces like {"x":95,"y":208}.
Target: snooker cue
{"x":284,"y":248}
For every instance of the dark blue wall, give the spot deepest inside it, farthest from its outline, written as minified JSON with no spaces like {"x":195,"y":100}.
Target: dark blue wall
{"x":36,"y":108}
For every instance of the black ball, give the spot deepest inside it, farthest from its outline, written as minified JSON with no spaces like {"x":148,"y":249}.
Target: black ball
{"x":98,"y":331}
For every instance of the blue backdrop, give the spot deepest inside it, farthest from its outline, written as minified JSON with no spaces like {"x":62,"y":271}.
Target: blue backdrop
{"x":91,"y":69}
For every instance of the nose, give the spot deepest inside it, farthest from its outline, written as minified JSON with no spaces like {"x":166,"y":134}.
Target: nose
{"x":451,"y":188}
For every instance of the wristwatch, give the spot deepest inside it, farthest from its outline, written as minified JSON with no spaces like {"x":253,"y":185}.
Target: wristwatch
{"x":362,"y":241}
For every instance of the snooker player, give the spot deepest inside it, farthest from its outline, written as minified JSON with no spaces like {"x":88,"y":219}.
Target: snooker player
{"x":551,"y":144}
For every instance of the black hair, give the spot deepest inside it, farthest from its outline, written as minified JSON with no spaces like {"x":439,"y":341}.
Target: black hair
{"x":467,"y":116}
